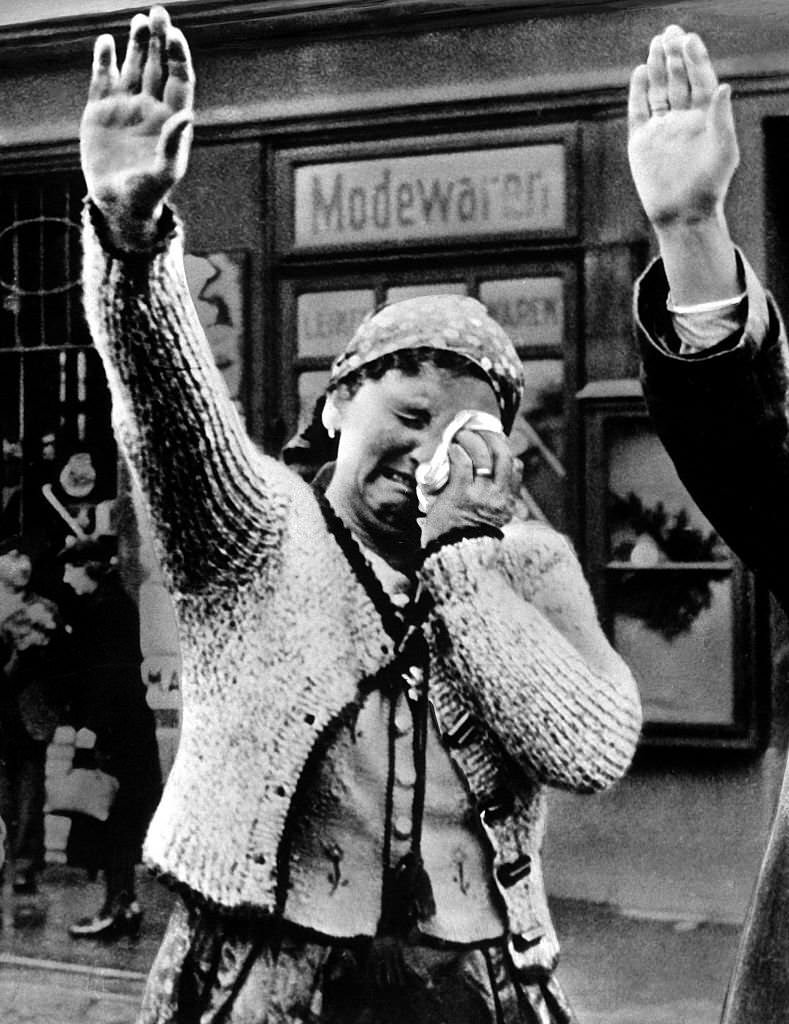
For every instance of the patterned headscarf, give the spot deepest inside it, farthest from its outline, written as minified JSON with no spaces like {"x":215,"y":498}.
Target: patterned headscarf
{"x":453,"y":323}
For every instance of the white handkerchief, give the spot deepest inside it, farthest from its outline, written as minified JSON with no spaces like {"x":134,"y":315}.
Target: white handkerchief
{"x":432,"y":476}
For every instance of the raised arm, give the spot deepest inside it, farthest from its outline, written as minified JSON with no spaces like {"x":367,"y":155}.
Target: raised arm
{"x":683,"y":153}
{"x":218,"y":505}
{"x":714,"y":354}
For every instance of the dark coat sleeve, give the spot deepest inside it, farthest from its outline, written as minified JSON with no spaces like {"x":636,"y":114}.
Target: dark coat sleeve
{"x":722,"y":416}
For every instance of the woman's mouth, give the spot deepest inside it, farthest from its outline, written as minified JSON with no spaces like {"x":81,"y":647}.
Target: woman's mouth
{"x":405,"y":480}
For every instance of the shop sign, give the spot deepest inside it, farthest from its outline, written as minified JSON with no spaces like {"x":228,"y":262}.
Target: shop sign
{"x":530,"y":309}
{"x":518,"y":190}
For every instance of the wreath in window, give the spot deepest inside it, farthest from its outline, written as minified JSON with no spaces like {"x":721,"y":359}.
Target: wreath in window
{"x":670,"y":602}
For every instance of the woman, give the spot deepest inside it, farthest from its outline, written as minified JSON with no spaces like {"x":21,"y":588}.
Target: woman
{"x":373,"y":702}
{"x":108,"y":702}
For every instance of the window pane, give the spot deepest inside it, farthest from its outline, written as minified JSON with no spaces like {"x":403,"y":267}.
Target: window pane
{"x":311,"y":386}
{"x":40,"y":300}
{"x":675,"y":631}
{"x":652,"y":518}
{"x":530,"y":309}
{"x":59,"y":460}
{"x":538,"y":439}
{"x":413,"y":291}
{"x":11,"y":435}
{"x":58,"y":469}
{"x":216,"y":283}
{"x":669,"y":584}
{"x":327,"y":320}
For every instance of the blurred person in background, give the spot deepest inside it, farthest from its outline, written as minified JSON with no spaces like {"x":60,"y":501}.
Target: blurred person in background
{"x":31,"y":704}
{"x":108,"y":704}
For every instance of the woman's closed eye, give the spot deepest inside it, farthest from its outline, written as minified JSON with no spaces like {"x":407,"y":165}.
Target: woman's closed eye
{"x":416,"y":418}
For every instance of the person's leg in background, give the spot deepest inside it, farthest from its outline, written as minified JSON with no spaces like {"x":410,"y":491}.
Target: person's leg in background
{"x":7,"y":806}
{"x":121,"y":896}
{"x":27,"y":847}
{"x":121,"y":913}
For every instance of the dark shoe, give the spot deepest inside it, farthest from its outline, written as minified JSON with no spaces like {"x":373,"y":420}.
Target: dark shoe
{"x":25,"y":882}
{"x":126,"y":920}
{"x":129,"y":918}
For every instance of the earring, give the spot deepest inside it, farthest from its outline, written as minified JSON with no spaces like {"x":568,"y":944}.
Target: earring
{"x":330,"y":417}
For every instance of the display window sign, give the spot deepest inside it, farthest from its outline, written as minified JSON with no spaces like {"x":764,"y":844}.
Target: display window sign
{"x":513,"y":190}
{"x":414,"y":291}
{"x":530,"y":309}
{"x":327,"y":320}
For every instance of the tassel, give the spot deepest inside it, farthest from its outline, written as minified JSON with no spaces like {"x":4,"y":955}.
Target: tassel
{"x":412,"y":892}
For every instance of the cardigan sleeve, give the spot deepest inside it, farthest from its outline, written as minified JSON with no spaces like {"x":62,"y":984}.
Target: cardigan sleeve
{"x":524,"y":647}
{"x":722,"y":416}
{"x":218,"y":506}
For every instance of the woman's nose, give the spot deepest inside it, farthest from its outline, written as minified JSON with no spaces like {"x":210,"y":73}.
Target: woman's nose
{"x":425,"y":445}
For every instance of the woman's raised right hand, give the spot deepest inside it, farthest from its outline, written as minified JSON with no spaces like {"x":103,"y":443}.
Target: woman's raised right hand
{"x":137,"y":125}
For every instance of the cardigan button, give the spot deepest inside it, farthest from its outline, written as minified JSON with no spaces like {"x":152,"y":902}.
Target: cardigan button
{"x":462,"y":732}
{"x":401,"y":827}
{"x":499,"y":804}
{"x":402,"y":722}
{"x":525,"y":940}
{"x":513,"y":871}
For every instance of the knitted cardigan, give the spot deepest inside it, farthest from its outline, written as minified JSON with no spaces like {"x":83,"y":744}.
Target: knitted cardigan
{"x":278,"y":629}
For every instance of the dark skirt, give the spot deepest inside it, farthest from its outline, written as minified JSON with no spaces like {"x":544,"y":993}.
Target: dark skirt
{"x":94,"y":844}
{"x":213,"y":970}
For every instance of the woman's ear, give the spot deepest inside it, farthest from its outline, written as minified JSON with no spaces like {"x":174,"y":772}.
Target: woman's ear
{"x":331,"y":417}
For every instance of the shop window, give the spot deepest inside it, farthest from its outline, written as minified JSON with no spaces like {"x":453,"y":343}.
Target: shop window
{"x":218,"y":283}
{"x":491,"y":213}
{"x":325,"y":320}
{"x":530,"y":309}
{"x":58,"y":468}
{"x":677,"y":604}
{"x":534,"y":303}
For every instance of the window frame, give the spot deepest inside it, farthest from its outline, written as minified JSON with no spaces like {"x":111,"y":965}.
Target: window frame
{"x":604,"y":404}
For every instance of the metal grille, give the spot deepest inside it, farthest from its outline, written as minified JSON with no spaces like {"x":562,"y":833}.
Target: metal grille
{"x":54,"y":404}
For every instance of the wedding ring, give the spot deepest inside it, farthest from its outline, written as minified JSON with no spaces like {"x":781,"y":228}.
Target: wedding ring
{"x":659,"y":109}
{"x":483,"y":471}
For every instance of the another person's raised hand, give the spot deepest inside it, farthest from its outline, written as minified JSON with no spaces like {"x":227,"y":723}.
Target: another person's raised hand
{"x":136,"y":127}
{"x":682,"y":143}
{"x":683,"y":153}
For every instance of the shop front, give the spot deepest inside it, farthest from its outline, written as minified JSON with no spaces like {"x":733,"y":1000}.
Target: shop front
{"x":345,"y":159}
